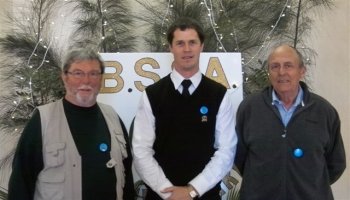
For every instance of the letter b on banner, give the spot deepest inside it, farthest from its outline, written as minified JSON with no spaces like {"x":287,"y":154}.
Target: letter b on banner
{"x":112,"y":77}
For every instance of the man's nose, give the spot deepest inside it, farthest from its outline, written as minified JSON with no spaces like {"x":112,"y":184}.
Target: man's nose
{"x":187,"y":47}
{"x":86,"y":78}
{"x":282,"y":69}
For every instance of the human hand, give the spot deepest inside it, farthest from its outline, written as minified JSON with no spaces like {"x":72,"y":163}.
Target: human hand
{"x":178,"y":193}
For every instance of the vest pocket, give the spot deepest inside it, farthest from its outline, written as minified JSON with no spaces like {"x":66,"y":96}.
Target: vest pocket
{"x":54,"y":154}
{"x":53,"y":163}
{"x":50,"y":184}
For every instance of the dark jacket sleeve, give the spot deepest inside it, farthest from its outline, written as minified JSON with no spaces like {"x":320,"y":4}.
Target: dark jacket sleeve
{"x":335,"y":155}
{"x":241,"y":151}
{"x":27,"y":162}
{"x":129,"y":190}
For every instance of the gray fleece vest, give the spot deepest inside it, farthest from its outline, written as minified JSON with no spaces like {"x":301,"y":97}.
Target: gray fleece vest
{"x":61,"y":175}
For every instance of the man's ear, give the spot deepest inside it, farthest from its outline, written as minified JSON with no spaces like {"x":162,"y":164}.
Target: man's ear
{"x":303,"y":71}
{"x":63,"y":76}
{"x":170,"y":48}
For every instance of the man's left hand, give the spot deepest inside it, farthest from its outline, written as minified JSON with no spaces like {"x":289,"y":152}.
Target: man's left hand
{"x":178,"y":193}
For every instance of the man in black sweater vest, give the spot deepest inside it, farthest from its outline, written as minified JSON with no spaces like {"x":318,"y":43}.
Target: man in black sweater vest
{"x":184,"y":139}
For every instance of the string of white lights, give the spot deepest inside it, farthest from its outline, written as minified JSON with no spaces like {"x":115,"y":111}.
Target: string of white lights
{"x":213,"y":24}
{"x":109,"y":27}
{"x":164,"y":17}
{"x":33,"y":53}
{"x":30,"y":83}
{"x":270,"y":33}
{"x":37,"y":69}
{"x":44,"y":58}
{"x":234,"y":34}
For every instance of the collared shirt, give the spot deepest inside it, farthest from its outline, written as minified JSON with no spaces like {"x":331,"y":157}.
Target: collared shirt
{"x":177,"y":79}
{"x":286,"y":114}
{"x":144,"y":136}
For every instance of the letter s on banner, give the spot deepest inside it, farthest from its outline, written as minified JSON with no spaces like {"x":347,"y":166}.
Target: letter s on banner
{"x":146,"y":74}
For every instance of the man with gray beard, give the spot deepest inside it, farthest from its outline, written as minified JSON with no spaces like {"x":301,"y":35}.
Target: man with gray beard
{"x":74,"y":148}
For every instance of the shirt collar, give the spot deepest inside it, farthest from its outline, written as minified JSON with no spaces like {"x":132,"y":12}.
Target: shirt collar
{"x":298,"y":100}
{"x":177,"y":79}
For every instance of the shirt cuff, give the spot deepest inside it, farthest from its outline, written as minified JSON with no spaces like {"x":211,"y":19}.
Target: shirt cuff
{"x":200,"y":185}
{"x":162,"y":187}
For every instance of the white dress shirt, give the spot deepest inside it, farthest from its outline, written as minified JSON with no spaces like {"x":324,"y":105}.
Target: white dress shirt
{"x":144,"y":136}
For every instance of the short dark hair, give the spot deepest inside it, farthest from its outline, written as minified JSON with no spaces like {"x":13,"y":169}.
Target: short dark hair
{"x":184,"y":23}
{"x":81,"y":54}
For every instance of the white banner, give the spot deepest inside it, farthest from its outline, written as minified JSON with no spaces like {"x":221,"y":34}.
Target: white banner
{"x":127,"y":74}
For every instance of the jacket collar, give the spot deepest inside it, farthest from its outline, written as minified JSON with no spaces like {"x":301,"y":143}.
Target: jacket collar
{"x":306,"y":99}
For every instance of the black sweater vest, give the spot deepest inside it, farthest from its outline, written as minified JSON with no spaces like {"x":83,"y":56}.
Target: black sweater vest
{"x":185,"y":127}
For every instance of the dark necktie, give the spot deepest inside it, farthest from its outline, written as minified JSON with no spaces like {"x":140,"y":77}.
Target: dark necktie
{"x":186,"y":84}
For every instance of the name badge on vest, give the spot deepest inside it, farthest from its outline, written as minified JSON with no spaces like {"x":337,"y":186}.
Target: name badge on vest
{"x":204,"y":110}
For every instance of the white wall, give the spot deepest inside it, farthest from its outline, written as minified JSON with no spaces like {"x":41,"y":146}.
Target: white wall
{"x":4,"y":4}
{"x":331,"y":40}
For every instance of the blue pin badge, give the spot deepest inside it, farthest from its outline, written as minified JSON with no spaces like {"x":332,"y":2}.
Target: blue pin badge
{"x":203,"y":110}
{"x":103,"y":147}
{"x":298,"y":153}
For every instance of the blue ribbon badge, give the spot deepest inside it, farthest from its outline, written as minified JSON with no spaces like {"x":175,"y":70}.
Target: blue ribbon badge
{"x":103,"y":147}
{"x":204,"y":110}
{"x":298,"y":153}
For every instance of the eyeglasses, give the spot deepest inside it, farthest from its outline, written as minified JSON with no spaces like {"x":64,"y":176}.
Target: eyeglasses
{"x":81,"y":74}
{"x":276,"y":68}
